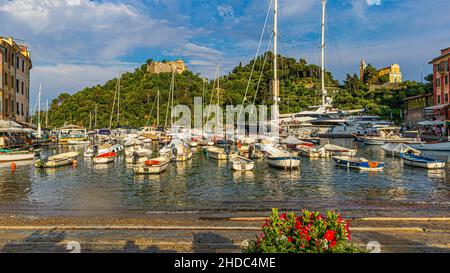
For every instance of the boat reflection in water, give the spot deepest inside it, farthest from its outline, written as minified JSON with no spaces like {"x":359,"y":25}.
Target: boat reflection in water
{"x":206,"y":184}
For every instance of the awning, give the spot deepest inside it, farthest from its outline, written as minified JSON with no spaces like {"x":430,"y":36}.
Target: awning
{"x":431,"y":123}
{"x":437,"y":107}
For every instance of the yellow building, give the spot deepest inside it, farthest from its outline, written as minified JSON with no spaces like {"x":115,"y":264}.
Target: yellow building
{"x":167,"y":67}
{"x":15,"y":66}
{"x":394,"y":73}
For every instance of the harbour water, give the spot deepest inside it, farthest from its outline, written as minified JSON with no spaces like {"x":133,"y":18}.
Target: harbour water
{"x":203,"y":184}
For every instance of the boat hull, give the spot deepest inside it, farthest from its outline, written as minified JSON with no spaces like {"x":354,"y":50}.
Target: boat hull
{"x":358,"y":164}
{"x":54,"y":163}
{"x":443,"y":146}
{"x":154,"y":169}
{"x":103,"y":160}
{"x":421,"y":162}
{"x":183,"y":157}
{"x":242,"y":164}
{"x":284,"y":162}
{"x":16,"y":157}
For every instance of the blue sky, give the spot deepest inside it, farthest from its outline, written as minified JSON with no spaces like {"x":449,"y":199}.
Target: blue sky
{"x":80,"y":43}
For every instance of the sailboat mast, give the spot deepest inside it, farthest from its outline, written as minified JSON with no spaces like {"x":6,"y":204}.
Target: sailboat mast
{"x":173,"y":91}
{"x":39,"y":112}
{"x":157,"y":110}
{"x":95,"y":117}
{"x":46,"y":114}
{"x":118,"y":104}
{"x":276,"y":93}
{"x":324,"y":92}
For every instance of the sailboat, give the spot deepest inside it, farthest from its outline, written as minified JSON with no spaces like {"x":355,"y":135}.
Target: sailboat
{"x":276,"y":157}
{"x":322,"y":120}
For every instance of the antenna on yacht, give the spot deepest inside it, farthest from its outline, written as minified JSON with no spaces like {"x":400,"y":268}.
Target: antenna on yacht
{"x":324,"y":92}
{"x":276,"y":93}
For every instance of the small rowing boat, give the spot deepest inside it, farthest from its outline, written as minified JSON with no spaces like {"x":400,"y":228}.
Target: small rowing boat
{"x":358,"y":163}
{"x":78,"y":142}
{"x":335,"y":150}
{"x":152,"y":166}
{"x":279,"y":158}
{"x":432,"y":146}
{"x":311,"y":152}
{"x":240,"y":163}
{"x":7,"y":155}
{"x":217,"y":153}
{"x":422,"y":162}
{"x":58,"y":160}
{"x":105,"y":158}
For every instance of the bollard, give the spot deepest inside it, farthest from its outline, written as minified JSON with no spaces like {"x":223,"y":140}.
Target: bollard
{"x":13,"y":166}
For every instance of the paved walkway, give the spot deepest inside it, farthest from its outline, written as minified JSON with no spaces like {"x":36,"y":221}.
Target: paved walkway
{"x":210,"y":233}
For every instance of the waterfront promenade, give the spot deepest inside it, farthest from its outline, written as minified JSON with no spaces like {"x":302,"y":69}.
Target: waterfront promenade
{"x":208,"y":233}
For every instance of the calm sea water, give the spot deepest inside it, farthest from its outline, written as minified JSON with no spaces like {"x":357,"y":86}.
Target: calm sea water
{"x":203,"y":184}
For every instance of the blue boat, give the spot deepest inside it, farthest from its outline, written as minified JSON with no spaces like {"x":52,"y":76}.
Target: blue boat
{"x":422,"y":162}
{"x":358,"y":163}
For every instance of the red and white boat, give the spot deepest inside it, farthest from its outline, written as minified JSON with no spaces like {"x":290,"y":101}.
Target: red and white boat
{"x":105,"y":158}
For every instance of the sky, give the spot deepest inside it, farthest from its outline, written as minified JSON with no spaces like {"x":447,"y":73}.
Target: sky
{"x":81,"y":43}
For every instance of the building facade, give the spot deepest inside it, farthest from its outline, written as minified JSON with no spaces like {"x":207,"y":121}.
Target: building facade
{"x":167,"y":67}
{"x":441,"y":86}
{"x":415,"y":109}
{"x":15,"y":66}
{"x":394,"y":73}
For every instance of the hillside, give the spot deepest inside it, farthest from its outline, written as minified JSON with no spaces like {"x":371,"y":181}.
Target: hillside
{"x":299,"y":88}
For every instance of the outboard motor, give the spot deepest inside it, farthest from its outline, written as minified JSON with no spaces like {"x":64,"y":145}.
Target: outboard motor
{"x":43,"y":157}
{"x":95,"y":150}
{"x":135,"y":157}
{"x":174,"y":151}
{"x":251,"y":150}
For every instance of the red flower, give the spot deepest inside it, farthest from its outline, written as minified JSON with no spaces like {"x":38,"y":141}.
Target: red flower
{"x":320,"y":217}
{"x":290,"y":239}
{"x":333,"y":244}
{"x":298,"y":225}
{"x":329,"y":235}
{"x":283,"y":216}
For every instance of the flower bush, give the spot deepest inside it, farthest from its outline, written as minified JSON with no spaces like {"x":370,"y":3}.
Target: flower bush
{"x":308,"y":232}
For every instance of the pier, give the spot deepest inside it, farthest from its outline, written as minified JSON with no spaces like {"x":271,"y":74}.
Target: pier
{"x":210,"y":233}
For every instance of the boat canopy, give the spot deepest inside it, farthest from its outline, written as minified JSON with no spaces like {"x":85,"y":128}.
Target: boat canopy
{"x":431,"y":123}
{"x":292,"y":140}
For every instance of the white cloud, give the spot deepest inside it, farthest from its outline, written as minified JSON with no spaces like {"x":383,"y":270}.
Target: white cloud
{"x":225,"y":10}
{"x":83,"y":30}
{"x":70,"y":78}
{"x":296,"y":7}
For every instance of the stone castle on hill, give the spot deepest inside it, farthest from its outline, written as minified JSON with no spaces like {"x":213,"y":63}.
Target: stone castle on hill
{"x":167,"y":67}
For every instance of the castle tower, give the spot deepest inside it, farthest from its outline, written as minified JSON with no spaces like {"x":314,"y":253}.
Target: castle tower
{"x":362,"y":68}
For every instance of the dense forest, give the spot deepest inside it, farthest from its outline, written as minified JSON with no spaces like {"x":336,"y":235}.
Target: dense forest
{"x":299,"y":88}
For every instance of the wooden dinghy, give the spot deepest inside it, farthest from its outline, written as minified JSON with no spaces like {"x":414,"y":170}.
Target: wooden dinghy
{"x":136,"y":155}
{"x":104,"y":158}
{"x":358,"y":163}
{"x":217,"y":153}
{"x":152,"y":166}
{"x":335,"y":150}
{"x":240,"y":163}
{"x":279,"y":158}
{"x":422,"y":162}
{"x":56,"y":161}
{"x":311,"y":152}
